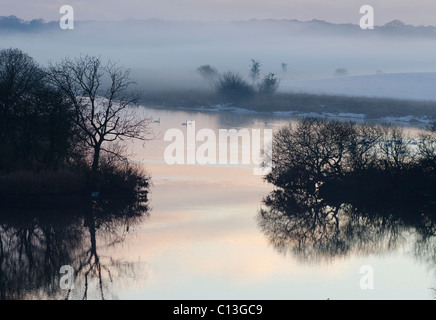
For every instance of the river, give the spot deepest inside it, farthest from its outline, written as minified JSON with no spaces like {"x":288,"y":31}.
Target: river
{"x":202,"y":239}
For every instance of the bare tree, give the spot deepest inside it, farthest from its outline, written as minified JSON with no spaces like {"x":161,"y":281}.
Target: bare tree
{"x":427,"y":146}
{"x":394,"y":149}
{"x":309,"y":153}
{"x":102,"y":102}
{"x":363,"y":149}
{"x":34,"y":118}
{"x":254,"y":70}
{"x":269,"y":85}
{"x":209,"y":74}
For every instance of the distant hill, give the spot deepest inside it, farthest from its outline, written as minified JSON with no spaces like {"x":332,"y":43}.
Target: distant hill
{"x":14,"y":24}
{"x":291,"y":26}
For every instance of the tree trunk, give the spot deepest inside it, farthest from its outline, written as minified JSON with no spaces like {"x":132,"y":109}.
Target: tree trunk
{"x":96,"y":158}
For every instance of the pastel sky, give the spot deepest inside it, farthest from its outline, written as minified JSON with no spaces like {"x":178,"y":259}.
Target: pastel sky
{"x":417,"y":12}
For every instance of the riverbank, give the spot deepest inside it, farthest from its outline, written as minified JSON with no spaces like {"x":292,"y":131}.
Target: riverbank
{"x":71,"y":188}
{"x":299,"y":104}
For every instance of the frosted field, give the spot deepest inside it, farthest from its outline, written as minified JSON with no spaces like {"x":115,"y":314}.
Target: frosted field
{"x":413,"y":86}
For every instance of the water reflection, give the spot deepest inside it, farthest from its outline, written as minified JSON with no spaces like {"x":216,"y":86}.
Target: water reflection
{"x":314,"y":229}
{"x":34,"y":244}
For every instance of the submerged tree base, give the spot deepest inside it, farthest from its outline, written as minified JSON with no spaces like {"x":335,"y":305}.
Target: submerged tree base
{"x":409,"y":188}
{"x":72,"y":187}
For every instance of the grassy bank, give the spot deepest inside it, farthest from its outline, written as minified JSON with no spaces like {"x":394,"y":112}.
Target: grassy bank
{"x":372,"y":108}
{"x":71,"y":187}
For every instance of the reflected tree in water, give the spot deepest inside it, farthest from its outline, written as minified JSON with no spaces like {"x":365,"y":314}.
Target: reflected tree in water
{"x":343,"y":189}
{"x":34,"y":245}
{"x":93,"y":268}
{"x":313,"y":229}
{"x":32,"y":251}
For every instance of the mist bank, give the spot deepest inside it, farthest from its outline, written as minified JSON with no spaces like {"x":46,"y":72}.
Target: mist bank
{"x":322,"y":67}
{"x":167,"y":53}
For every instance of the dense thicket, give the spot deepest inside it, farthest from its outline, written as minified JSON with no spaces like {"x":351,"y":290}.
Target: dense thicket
{"x":56,"y":140}
{"x":35,"y":122}
{"x":339,"y":160}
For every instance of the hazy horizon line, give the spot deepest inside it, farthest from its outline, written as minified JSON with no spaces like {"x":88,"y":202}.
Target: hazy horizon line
{"x":216,"y":21}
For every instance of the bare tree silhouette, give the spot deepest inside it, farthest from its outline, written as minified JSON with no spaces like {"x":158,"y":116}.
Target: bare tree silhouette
{"x":103,"y":113}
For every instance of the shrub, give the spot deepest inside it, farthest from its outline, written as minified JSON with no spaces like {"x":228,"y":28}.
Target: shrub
{"x":269,"y":85}
{"x":233,"y":87}
{"x":341,"y":72}
{"x":123,"y":179}
{"x":47,"y":182}
{"x":209,"y":74}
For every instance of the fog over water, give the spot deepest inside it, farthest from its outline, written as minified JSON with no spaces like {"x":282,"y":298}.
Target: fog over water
{"x":205,"y":235}
{"x":165,"y":54}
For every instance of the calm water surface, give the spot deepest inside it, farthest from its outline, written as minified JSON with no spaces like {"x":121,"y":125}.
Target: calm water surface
{"x":202,"y":238}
